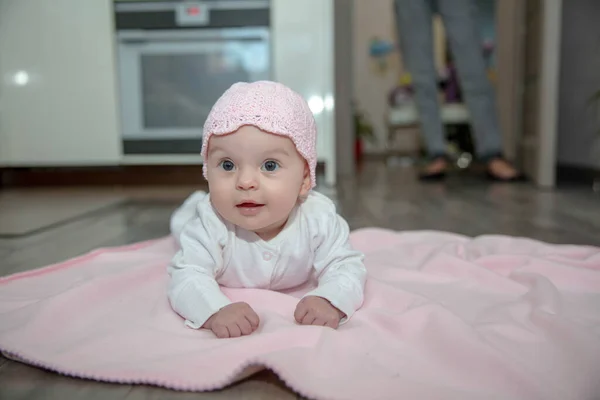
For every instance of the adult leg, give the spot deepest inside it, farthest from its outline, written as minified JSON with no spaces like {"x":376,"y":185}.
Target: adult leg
{"x":415,"y":36}
{"x":460,"y":21}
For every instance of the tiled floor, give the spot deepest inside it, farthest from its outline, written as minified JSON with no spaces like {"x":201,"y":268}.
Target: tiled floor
{"x":379,"y":196}
{"x":25,"y":211}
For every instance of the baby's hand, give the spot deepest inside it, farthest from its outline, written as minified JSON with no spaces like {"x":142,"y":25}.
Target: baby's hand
{"x":233,"y":320}
{"x":314,"y":310}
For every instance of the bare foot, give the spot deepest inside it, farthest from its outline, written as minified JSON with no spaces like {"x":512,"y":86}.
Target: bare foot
{"x":437,"y":166}
{"x":502,"y":169}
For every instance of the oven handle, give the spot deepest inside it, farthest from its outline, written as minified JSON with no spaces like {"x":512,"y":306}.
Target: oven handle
{"x":241,"y":5}
{"x":146,"y":41}
{"x":144,"y":36}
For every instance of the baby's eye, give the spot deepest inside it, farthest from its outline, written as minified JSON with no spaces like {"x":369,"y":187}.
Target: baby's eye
{"x":227,"y":165}
{"x":270,"y":166}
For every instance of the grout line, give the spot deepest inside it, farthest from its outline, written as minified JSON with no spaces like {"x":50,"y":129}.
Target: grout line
{"x":65,"y":221}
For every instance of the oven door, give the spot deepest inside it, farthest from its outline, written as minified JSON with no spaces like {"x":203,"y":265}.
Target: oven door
{"x":170,"y":79}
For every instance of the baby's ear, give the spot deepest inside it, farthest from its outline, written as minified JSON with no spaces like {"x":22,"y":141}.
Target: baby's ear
{"x":305,"y":188}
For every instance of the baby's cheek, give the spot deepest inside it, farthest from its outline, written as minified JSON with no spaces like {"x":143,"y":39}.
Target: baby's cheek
{"x":220,"y":195}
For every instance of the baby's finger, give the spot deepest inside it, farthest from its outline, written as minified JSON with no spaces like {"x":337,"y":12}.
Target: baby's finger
{"x":332,"y":323}
{"x":220,"y":331}
{"x":301,"y":311}
{"x":234,"y":330}
{"x":252,"y":317}
{"x":319,"y":322}
{"x":245,"y":326}
{"x":308,"y":319}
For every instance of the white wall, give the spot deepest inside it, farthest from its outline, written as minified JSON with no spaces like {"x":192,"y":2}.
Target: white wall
{"x":373,"y":19}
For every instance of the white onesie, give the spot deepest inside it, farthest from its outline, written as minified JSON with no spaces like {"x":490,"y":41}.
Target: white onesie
{"x":315,"y":240}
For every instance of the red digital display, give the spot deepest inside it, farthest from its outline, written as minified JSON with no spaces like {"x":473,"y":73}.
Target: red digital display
{"x":193,"y":10}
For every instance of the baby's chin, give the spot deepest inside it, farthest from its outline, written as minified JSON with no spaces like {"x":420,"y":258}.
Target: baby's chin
{"x":262,"y":229}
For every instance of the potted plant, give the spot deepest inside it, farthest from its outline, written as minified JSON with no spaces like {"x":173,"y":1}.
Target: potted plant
{"x":363,"y":131}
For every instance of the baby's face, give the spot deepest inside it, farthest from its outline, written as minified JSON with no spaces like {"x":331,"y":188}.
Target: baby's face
{"x":255,"y":179}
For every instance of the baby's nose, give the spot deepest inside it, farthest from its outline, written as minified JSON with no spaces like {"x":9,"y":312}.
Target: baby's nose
{"x":247,"y":181}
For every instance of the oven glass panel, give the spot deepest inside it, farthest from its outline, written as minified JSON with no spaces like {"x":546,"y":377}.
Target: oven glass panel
{"x":178,"y":89}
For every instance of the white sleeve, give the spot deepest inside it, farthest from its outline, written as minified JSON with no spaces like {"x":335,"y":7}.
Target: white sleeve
{"x":340,"y":269}
{"x":193,"y":290}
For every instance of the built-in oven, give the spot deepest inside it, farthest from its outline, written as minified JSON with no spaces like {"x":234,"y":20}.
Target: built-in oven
{"x":175,"y":58}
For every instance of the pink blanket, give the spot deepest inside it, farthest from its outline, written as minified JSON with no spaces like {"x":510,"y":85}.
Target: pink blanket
{"x":445,"y":317}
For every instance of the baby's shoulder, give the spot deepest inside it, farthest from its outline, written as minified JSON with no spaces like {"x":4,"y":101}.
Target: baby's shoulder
{"x":196,"y":221}
{"x":317,"y":204}
{"x":205,"y":212}
{"x":318,"y":211}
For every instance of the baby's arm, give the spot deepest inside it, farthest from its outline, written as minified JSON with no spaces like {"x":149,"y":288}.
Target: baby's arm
{"x":340,"y":269}
{"x":193,"y":290}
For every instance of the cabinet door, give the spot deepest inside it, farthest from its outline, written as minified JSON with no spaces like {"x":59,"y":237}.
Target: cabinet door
{"x":58,"y":102}
{"x":510,"y":28}
{"x":542,"y":22}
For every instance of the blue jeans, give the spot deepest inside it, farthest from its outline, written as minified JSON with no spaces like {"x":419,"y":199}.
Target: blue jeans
{"x":415,"y":30}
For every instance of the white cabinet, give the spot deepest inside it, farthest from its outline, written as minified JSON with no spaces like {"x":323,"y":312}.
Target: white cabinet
{"x":303,"y":59}
{"x":58,"y":99}
{"x":59,"y":102}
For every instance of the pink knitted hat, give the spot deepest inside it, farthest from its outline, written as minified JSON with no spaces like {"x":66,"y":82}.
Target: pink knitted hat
{"x":269,"y":106}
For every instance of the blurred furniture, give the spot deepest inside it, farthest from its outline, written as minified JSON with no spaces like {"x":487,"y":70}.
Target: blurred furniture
{"x":304,"y":59}
{"x":403,"y":126}
{"x":59,"y":93}
{"x":175,"y":59}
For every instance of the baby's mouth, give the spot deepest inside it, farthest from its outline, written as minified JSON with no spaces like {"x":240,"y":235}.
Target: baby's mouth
{"x":249,"y":204}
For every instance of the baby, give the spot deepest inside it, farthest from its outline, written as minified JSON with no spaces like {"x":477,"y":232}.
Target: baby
{"x":261,"y":225}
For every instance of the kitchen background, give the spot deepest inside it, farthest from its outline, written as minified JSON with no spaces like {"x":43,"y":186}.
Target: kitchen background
{"x":102,"y":105}
{"x":104,"y":83}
